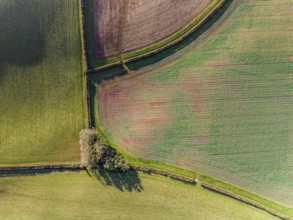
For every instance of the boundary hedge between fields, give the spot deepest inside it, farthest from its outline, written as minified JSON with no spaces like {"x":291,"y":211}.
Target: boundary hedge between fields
{"x":141,"y":168}
{"x":178,"y":36}
{"x":148,"y":170}
{"x":206,"y":16}
{"x":210,"y":187}
{"x":165,"y":174}
{"x":83,"y":34}
{"x":169,"y":41}
{"x":242,"y":199}
{"x":183,"y":33}
{"x":89,"y":102}
{"x":43,"y":167}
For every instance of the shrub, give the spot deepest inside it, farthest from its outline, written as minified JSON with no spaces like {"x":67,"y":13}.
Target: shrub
{"x":102,"y":155}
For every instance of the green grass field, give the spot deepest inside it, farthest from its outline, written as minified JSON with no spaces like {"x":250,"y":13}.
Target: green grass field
{"x":41,"y":82}
{"x":74,"y":195}
{"x":222,"y":106}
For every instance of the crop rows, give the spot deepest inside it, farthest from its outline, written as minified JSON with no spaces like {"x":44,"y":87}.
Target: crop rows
{"x":41,"y":84}
{"x":223,"y":107}
{"x":128,"y":25}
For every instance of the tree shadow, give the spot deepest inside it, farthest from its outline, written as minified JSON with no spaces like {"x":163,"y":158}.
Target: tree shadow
{"x":124,"y":181}
{"x":21,"y":37}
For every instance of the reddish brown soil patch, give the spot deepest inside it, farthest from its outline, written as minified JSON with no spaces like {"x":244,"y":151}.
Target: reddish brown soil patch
{"x":134,"y":24}
{"x":153,"y":20}
{"x":106,"y":18}
{"x":193,"y":89}
{"x":201,"y":139}
{"x":134,"y":122}
{"x":158,"y":103}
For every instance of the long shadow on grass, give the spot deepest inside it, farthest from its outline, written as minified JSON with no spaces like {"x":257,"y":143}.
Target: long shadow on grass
{"x":124,"y":181}
{"x":16,"y":173}
{"x":21,"y":37}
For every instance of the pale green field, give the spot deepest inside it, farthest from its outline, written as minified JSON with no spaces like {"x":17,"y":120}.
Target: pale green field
{"x":41,"y":84}
{"x":74,"y":195}
{"x":222,"y":106}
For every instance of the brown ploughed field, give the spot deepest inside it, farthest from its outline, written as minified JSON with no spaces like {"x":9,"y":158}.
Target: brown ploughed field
{"x":122,"y":26}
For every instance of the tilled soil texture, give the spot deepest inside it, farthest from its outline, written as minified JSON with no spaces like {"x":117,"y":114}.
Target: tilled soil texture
{"x":126,"y":25}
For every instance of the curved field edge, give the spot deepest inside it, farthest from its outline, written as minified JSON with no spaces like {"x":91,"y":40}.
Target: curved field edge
{"x":267,"y":73}
{"x":286,"y":210}
{"x":150,"y":50}
{"x":79,"y":196}
{"x":158,"y":165}
{"x":280,"y":209}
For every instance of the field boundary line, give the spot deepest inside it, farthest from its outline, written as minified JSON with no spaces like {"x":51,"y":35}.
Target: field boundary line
{"x":43,"y":167}
{"x":153,"y":49}
{"x":88,"y":101}
{"x":135,"y":161}
{"x":208,"y":10}
{"x":164,"y":173}
{"x":86,"y":60}
{"x":84,"y":44}
{"x":148,"y":170}
{"x":242,"y":199}
{"x":212,"y":188}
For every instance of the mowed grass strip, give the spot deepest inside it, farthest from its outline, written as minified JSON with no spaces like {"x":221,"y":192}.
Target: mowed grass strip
{"x":41,"y":84}
{"x":224,"y":108}
{"x":74,"y":195}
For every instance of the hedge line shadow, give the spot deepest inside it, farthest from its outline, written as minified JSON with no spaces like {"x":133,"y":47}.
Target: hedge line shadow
{"x":16,"y":173}
{"x":111,"y":72}
{"x":123,"y":181}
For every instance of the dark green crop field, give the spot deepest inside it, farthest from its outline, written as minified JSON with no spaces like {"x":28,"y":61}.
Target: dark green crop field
{"x":41,"y":84}
{"x":223,"y":105}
